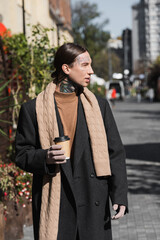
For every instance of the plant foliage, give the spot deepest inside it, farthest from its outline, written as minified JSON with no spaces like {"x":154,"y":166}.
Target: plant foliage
{"x":30,"y":63}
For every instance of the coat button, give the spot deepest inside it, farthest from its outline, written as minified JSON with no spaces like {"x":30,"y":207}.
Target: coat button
{"x":97,"y":203}
{"x":92,"y":175}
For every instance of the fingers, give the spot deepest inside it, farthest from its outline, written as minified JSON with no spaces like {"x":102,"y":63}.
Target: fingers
{"x":59,"y":161}
{"x":115,"y":207}
{"x":55,"y":147}
{"x":55,"y":159}
{"x":55,"y":155}
{"x":120,"y":211}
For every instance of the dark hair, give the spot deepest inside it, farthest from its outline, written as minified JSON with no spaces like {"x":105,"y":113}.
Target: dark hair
{"x":66,"y":54}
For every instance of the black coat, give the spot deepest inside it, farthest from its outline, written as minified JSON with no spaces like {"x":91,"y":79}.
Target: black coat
{"x":84,"y":197}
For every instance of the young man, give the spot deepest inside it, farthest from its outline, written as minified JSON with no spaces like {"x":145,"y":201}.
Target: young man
{"x":71,"y":197}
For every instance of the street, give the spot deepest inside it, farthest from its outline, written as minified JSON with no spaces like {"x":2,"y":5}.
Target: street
{"x":139,"y":127}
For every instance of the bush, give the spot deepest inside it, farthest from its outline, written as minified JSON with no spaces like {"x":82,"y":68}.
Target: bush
{"x":30,"y":63}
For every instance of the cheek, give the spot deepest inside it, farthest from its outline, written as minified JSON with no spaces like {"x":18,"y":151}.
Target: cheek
{"x":74,"y":76}
{"x":82,"y":69}
{"x":77,"y":74}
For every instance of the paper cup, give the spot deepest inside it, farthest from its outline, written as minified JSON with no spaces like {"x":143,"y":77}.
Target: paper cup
{"x":64,"y":141}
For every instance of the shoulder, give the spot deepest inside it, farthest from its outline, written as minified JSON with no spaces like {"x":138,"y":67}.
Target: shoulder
{"x":101,"y":100}
{"x":30,"y":105}
{"x":103,"y":103}
{"x":29,"y":108}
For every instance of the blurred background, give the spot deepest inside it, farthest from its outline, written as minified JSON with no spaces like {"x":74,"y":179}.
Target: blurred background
{"x":123,"y":39}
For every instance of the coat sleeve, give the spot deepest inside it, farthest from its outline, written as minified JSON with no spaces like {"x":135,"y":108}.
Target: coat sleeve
{"x":29,"y":155}
{"x":118,"y":180}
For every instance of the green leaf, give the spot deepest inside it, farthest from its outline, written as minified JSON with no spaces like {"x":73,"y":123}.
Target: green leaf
{"x":3,"y":134}
{"x":2,"y":99}
{"x":9,"y":106}
{"x":5,"y":84}
{"x":2,"y":111}
{"x":5,"y":121}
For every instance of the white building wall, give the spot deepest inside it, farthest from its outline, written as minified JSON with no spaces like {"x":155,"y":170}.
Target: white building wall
{"x":36,"y":11}
{"x":152,"y":18}
{"x":12,"y":15}
{"x":151,"y":33}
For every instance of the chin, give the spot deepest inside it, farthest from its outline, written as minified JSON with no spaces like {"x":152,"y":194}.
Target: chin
{"x":85,"y":84}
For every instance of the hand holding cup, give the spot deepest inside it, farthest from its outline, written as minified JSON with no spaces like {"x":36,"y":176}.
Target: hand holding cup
{"x":55,"y":155}
{"x":64,"y":141}
{"x":60,"y":152}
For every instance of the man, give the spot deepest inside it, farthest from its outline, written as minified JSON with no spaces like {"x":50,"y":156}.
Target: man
{"x":71,"y":197}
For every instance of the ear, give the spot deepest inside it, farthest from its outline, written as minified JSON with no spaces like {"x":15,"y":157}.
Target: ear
{"x":65,"y":69}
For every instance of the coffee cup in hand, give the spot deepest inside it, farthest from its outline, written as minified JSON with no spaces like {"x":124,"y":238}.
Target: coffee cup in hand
{"x":64,"y":141}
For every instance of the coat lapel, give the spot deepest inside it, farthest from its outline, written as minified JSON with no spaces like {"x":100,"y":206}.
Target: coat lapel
{"x":81,"y":135}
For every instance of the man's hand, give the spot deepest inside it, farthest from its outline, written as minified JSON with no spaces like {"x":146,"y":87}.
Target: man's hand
{"x":120,"y":209}
{"x":55,"y":155}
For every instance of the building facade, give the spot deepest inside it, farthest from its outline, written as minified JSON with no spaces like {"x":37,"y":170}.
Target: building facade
{"x":146,"y":31}
{"x":114,"y":46}
{"x":17,"y":14}
{"x":60,"y":12}
{"x":152,"y":19}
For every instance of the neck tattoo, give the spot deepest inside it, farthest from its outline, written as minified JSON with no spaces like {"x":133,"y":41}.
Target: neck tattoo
{"x":66,"y":86}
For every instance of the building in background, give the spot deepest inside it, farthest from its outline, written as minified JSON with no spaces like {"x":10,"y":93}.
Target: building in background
{"x":146,"y":31}
{"x":60,"y":12}
{"x":114,"y":46}
{"x":17,"y":14}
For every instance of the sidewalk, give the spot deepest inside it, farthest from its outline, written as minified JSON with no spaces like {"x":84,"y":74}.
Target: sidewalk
{"x":143,"y":220}
{"x":139,"y":126}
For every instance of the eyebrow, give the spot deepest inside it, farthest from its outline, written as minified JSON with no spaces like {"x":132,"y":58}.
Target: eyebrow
{"x":83,"y":59}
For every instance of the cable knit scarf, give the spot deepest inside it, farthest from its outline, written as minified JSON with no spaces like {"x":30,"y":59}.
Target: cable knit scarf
{"x":48,"y":130}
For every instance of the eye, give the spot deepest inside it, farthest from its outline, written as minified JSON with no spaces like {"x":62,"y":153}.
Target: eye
{"x":84,"y":64}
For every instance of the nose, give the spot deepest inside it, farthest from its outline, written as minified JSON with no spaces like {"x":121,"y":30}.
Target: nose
{"x":90,"y":71}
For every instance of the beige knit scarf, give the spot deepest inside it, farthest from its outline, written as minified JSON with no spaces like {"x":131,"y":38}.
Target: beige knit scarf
{"x":48,"y":130}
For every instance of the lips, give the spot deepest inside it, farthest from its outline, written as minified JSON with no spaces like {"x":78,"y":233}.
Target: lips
{"x":87,"y":79}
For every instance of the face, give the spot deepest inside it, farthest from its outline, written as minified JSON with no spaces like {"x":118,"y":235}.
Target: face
{"x":81,"y":70}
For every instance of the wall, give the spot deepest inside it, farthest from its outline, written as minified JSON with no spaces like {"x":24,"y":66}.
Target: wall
{"x":38,"y":11}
